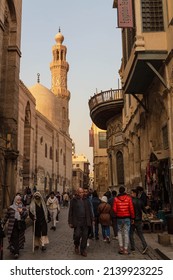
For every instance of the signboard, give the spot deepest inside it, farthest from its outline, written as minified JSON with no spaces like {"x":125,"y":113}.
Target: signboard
{"x":125,"y":14}
{"x":91,"y":138}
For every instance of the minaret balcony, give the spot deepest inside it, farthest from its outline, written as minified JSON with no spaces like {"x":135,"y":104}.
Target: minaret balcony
{"x":104,"y":106}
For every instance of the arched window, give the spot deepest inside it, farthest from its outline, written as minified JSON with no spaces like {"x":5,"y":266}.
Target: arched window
{"x":57,"y":55}
{"x":56,"y":156}
{"x":51,"y":153}
{"x":61,"y":55}
{"x":27,"y":114}
{"x":64,"y":159}
{"x":46,"y":150}
{"x":120,"y":168}
{"x":45,"y":183}
{"x":63,"y":113}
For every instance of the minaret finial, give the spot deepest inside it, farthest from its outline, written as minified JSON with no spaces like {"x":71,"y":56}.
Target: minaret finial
{"x":38,"y":77}
{"x":59,"y":29}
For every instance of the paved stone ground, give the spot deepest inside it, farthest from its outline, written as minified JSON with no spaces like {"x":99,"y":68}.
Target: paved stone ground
{"x":61,"y":247}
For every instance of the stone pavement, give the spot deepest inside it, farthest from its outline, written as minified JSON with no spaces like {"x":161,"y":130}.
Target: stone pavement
{"x":165,"y":251}
{"x":61,"y":246}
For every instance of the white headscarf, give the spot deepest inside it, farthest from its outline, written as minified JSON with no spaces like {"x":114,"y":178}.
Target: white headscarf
{"x":15,"y":207}
{"x":52,"y":200}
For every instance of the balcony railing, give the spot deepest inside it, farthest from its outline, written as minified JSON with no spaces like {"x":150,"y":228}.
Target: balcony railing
{"x":105,"y":96}
{"x":105,"y":105}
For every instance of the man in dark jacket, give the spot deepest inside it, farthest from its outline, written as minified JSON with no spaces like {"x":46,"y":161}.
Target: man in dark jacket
{"x":139,"y":208}
{"x":80,"y":218}
{"x":142,"y":195}
{"x":95,"y":202}
{"x":113,"y":216}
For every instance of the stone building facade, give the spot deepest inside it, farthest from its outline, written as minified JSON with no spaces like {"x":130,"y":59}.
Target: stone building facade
{"x":146,"y":76}
{"x":45,"y":146}
{"x":115,"y":152}
{"x":35,"y":145}
{"x":98,"y":141}
{"x":80,"y":177}
{"x":10,"y":36}
{"x":139,"y":122}
{"x":108,"y":145}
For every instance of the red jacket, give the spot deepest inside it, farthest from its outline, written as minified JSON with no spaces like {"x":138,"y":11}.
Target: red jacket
{"x":123,"y":206}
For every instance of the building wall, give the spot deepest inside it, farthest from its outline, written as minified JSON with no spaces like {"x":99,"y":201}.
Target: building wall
{"x":77,"y":179}
{"x":26,"y":98}
{"x":23,"y":129}
{"x":100,"y":164}
{"x":10,"y":34}
{"x":44,"y":172}
{"x":115,"y":153}
{"x":144,"y":128}
{"x":80,"y":171}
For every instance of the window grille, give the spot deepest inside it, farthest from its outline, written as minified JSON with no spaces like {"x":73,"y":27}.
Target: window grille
{"x":152,"y":15}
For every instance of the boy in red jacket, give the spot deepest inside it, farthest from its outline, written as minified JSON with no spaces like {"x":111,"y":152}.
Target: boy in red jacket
{"x":124,"y":211}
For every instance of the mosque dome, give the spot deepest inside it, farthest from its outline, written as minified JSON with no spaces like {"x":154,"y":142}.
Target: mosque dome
{"x":59,"y":38}
{"x":45,"y":101}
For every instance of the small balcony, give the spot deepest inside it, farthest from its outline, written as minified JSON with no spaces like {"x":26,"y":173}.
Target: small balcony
{"x":141,"y":70}
{"x":104,"y":106}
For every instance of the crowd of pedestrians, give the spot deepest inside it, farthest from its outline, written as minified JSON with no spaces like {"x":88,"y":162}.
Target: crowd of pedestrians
{"x":41,"y":211}
{"x":122,"y":212}
{"x":89,"y":216}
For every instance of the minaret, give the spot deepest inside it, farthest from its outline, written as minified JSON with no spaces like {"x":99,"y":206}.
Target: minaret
{"x":59,"y":68}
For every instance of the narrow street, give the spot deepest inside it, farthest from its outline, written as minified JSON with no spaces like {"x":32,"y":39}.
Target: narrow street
{"x":61,"y":247}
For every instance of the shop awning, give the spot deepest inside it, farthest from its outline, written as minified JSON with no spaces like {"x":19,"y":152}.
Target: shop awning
{"x":159,"y":155}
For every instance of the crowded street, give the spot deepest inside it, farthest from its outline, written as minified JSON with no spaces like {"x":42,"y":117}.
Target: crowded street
{"x":86,"y":155}
{"x":61,"y":246}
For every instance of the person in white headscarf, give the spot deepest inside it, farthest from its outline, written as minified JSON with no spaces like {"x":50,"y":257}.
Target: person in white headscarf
{"x":39,"y":214}
{"x":16,"y":215}
{"x":53,"y":208}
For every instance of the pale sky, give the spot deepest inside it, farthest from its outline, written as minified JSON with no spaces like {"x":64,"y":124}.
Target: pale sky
{"x":94,"y":54}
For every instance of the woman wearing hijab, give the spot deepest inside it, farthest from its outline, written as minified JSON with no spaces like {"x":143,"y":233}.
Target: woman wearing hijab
{"x":39,"y":214}
{"x":53,"y":208}
{"x":16,"y":215}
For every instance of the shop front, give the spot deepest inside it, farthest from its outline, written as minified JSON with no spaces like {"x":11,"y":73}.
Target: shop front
{"x":158,"y":183}
{"x":158,"y":187}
